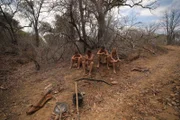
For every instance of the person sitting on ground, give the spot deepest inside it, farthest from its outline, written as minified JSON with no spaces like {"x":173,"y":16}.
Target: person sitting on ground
{"x":102,"y":56}
{"x":113,"y":59}
{"x":76,"y":58}
{"x":88,"y":62}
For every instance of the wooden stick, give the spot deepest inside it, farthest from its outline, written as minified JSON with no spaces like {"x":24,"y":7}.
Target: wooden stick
{"x":77,"y":104}
{"x":60,"y":116}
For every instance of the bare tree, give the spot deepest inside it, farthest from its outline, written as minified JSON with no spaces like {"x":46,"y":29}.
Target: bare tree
{"x":150,"y":32}
{"x":171,"y":23}
{"x":100,"y":8}
{"x":32,"y":9}
{"x":8,"y":9}
{"x":94,"y":10}
{"x":73,"y":11}
{"x":82,"y":22}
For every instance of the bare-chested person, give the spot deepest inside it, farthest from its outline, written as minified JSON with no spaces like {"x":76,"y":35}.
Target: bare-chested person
{"x":113,"y":59}
{"x":76,"y":58}
{"x":102,"y":55}
{"x":88,"y":62}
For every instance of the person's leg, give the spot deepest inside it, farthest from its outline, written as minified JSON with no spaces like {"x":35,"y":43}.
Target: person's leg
{"x":99,"y":59}
{"x":79,"y":62}
{"x":84,"y":66}
{"x":118,"y":63}
{"x":114,"y":67}
{"x":91,"y":67}
{"x":108,"y":60}
{"x":71,"y":64}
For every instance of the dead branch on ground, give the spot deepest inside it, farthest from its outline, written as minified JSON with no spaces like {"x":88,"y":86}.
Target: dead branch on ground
{"x":95,"y":80}
{"x":140,"y":69}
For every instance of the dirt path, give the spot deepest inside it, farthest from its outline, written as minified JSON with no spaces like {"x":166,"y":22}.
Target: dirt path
{"x":149,"y":95}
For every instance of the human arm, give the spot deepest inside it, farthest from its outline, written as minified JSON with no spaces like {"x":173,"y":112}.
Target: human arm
{"x":91,"y":58}
{"x":77,"y":56}
{"x":106,"y":53}
{"x":100,"y":53}
{"x":117,"y":56}
{"x":80,"y":56}
{"x":73,"y":57}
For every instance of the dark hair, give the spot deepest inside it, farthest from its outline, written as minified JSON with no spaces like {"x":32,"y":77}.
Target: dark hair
{"x":102,"y":47}
{"x":76,"y":52}
{"x":88,"y":51}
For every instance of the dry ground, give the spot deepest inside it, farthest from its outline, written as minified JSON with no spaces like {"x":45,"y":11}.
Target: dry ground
{"x":148,"y":95}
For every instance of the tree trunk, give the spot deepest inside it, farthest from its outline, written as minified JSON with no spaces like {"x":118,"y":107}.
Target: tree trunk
{"x":13,"y":37}
{"x":73,"y":22}
{"x":100,"y":16}
{"x":36,"y":36}
{"x":11,"y":30}
{"x":169,"y":39}
{"x":37,"y":66}
{"x":101,"y":28}
{"x":83,"y":24}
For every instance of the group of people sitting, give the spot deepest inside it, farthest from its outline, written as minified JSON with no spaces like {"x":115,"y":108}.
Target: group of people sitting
{"x":103,"y":57}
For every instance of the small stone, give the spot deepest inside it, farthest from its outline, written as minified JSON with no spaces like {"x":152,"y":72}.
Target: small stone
{"x":174,"y":98}
{"x":177,"y":87}
{"x":173,"y":103}
{"x":55,"y":92}
{"x":114,"y":82}
{"x":172,"y":95}
{"x":169,"y":104}
{"x":168,"y":99}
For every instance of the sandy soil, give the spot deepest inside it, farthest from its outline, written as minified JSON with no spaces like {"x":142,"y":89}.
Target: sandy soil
{"x":152,"y":94}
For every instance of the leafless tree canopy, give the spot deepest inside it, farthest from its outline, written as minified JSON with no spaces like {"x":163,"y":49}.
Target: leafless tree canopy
{"x":171,"y":23}
{"x":78,"y":25}
{"x":7,"y":21}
